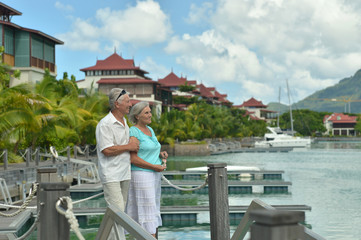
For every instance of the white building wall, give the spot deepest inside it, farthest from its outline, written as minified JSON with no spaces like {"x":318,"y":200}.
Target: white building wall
{"x":29,"y":75}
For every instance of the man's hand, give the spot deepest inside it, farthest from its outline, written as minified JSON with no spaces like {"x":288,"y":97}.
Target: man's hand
{"x":133,"y":144}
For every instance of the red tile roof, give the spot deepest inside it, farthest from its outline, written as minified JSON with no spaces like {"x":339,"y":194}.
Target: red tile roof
{"x":340,"y":118}
{"x":253,"y":103}
{"x":221,"y":97}
{"x":204,"y":91}
{"x":125,"y":81}
{"x":172,"y":80}
{"x":180,"y":106}
{"x":192,"y":82}
{"x":114,"y":62}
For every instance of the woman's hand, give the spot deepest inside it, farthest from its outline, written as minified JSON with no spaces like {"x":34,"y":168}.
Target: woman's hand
{"x":163,"y":155}
{"x":159,"y":168}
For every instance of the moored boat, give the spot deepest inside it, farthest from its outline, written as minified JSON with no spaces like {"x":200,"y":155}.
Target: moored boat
{"x":277,"y":138}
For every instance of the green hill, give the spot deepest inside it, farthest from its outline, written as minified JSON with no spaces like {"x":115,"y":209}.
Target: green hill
{"x":345,"y":96}
{"x":275,"y":106}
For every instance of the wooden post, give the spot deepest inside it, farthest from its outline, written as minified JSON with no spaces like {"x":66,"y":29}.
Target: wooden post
{"x":5,"y":159}
{"x":218,"y":201}
{"x":52,"y":225}
{"x":86,"y":152}
{"x":277,"y":225}
{"x":68,"y":152}
{"x":75,"y":152}
{"x":37,"y":156}
{"x":28,"y":156}
{"x":47,"y":175}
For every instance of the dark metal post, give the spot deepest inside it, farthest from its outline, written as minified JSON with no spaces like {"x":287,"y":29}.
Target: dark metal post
{"x":277,"y":225}
{"x":52,"y":225}
{"x":218,"y":201}
{"x":5,"y":159}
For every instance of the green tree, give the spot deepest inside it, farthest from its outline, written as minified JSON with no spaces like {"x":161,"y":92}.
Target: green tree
{"x":305,"y":122}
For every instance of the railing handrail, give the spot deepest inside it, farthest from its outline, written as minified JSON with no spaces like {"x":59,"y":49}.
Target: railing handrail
{"x":113,"y":216}
{"x":246,"y":222}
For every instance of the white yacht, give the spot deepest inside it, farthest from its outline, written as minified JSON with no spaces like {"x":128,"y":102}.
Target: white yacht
{"x":277,"y":138}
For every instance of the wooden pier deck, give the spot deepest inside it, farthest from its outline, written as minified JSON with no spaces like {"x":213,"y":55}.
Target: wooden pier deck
{"x":14,"y":225}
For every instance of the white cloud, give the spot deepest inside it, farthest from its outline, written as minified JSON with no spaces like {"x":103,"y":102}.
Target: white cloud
{"x":155,"y":70}
{"x":143,"y":25}
{"x":260,"y":43}
{"x":84,"y":36}
{"x":258,"y":90}
{"x":65,"y":7}
{"x":140,"y":25}
{"x":199,"y":15}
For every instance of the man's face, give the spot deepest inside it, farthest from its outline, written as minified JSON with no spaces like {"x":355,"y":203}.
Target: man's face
{"x":124,"y":105}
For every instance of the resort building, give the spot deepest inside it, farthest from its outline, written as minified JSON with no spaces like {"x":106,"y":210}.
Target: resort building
{"x":117,"y":72}
{"x":209,"y":94}
{"x":339,"y":124}
{"x":256,"y":110}
{"x":28,"y":50}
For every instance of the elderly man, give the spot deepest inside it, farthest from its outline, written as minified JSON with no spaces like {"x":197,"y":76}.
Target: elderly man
{"x":113,"y":147}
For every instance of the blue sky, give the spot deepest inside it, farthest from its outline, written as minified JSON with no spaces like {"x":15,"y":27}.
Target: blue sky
{"x":244,"y":48}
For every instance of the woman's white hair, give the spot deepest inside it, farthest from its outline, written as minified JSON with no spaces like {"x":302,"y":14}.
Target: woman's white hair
{"x":136,"y":110}
{"x":113,"y":95}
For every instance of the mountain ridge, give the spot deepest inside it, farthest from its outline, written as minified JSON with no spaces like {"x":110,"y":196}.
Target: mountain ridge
{"x":345,"y":96}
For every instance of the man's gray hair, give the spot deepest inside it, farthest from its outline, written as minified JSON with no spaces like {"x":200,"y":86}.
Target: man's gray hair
{"x":113,"y":95}
{"x":136,"y":110}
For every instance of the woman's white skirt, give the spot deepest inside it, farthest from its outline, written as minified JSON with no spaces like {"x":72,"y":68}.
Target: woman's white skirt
{"x":143,"y":204}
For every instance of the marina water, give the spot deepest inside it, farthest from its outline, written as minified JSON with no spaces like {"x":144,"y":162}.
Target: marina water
{"x":326,"y":177}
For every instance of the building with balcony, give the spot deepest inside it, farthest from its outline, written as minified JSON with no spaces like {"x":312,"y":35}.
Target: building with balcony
{"x":208,"y":94}
{"x":117,"y":72}
{"x":28,"y":50}
{"x":256,"y":110}
{"x":339,"y":124}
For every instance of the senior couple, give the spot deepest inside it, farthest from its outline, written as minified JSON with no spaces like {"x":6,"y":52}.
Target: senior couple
{"x":130,"y":161}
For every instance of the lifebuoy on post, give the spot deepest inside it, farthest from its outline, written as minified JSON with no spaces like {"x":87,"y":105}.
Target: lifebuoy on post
{"x":54,"y":152}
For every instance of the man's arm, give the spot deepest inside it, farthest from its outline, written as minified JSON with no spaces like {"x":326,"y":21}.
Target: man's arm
{"x":132,"y":146}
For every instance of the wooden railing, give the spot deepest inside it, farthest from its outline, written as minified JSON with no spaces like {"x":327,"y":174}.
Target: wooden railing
{"x":247,"y":221}
{"x":114,"y":216}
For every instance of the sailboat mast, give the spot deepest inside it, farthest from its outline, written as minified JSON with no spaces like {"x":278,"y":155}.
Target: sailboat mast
{"x":279,"y":107}
{"x":289,"y":101}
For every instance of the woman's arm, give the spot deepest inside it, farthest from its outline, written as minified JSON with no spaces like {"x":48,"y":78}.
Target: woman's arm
{"x":139,"y":162}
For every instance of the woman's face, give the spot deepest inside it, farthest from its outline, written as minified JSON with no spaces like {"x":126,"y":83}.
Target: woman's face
{"x":145,"y":117}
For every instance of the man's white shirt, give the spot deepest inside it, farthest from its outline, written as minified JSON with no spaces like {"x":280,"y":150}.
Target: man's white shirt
{"x":110,"y":132}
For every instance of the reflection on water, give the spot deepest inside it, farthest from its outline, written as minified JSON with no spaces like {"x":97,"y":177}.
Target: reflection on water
{"x":326,"y":177}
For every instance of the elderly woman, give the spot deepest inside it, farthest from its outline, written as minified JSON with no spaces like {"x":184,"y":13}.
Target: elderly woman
{"x":143,"y":203}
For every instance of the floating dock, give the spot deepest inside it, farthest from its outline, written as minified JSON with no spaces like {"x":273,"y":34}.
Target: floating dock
{"x":234,"y":187}
{"x":254,"y":150}
{"x":253,"y":174}
{"x":185,"y":215}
